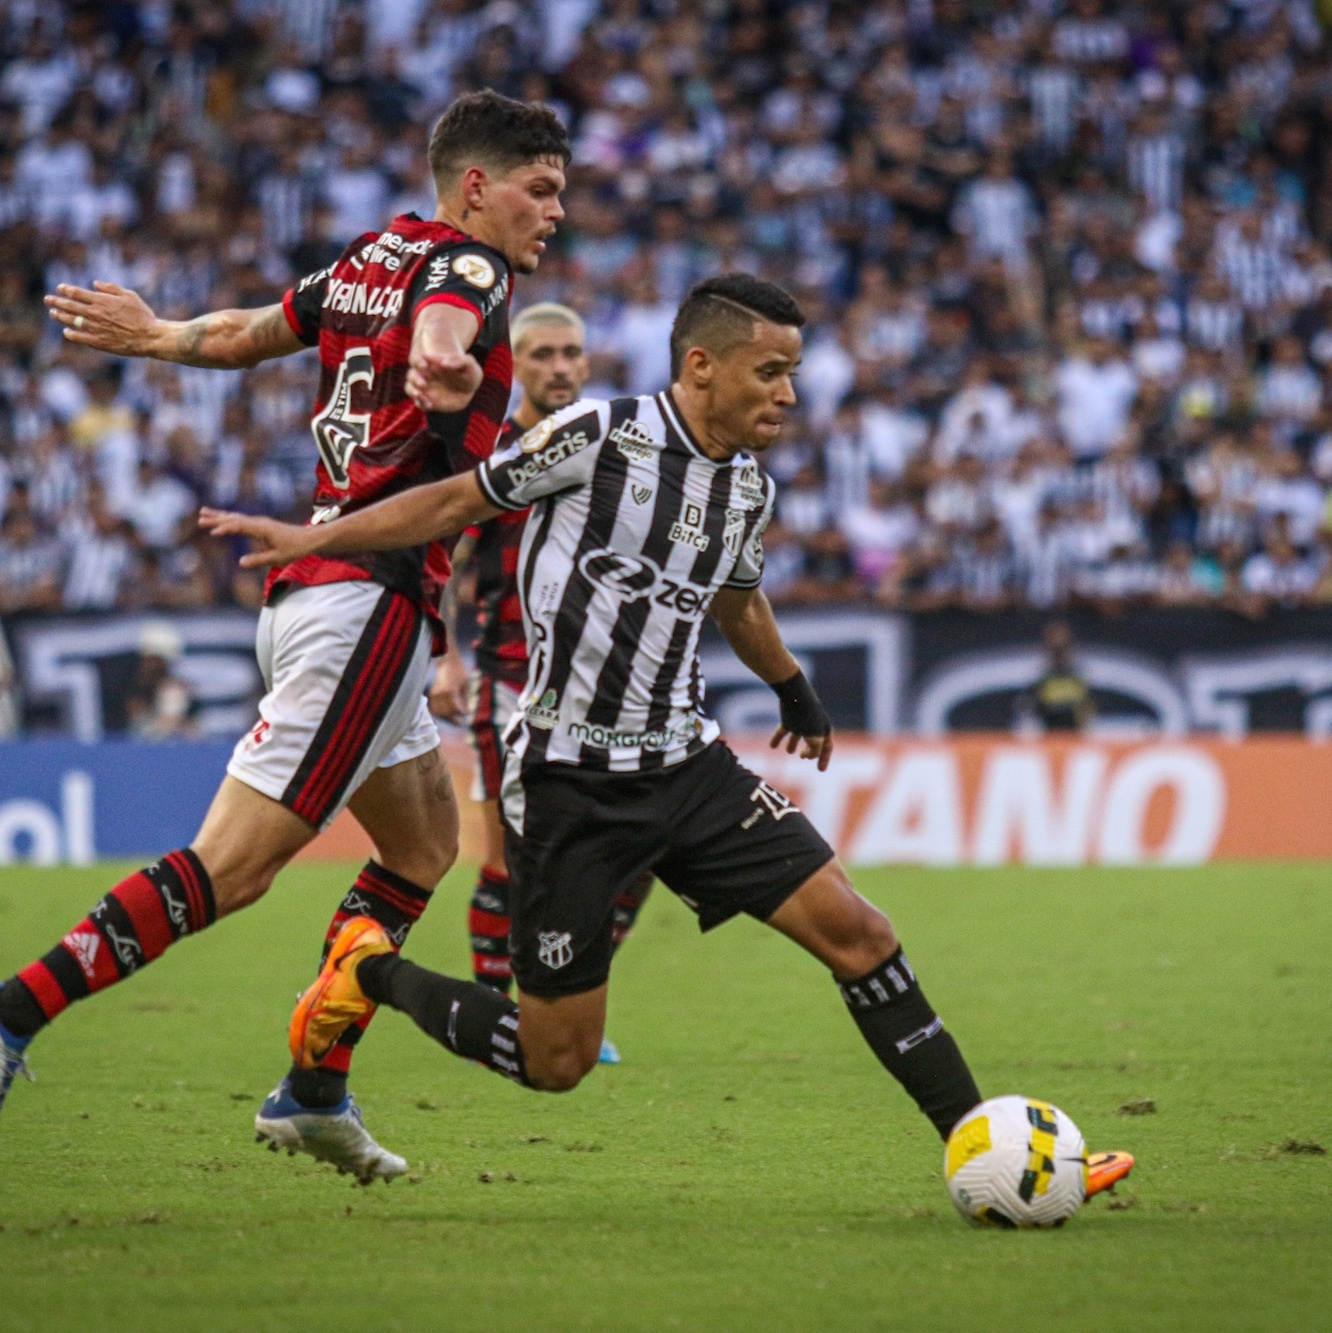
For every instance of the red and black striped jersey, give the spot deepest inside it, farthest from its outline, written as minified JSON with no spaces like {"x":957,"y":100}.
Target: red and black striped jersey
{"x":373,"y":441}
{"x":501,"y":644}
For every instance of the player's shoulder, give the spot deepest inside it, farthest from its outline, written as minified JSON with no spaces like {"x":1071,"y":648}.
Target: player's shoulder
{"x":582,"y":423}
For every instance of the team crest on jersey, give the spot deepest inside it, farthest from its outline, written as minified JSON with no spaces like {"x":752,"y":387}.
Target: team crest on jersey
{"x":533,"y":439}
{"x":689,"y":530}
{"x":749,"y":486}
{"x":635,"y":441}
{"x":555,"y":948}
{"x":733,"y":534}
{"x":472,"y":268}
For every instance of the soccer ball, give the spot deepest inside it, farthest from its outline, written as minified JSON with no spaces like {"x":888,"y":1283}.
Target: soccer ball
{"x":1016,"y":1162}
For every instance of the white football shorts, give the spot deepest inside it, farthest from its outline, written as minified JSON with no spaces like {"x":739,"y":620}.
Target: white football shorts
{"x":346,"y":667}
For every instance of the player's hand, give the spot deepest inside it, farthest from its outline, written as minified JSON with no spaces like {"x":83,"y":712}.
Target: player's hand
{"x":816,"y":747}
{"x":448,"y":691}
{"x":444,"y":381}
{"x":109,"y":318}
{"x":274,"y":543}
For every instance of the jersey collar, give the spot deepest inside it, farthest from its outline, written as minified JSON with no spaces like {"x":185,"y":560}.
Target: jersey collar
{"x":674,"y":419}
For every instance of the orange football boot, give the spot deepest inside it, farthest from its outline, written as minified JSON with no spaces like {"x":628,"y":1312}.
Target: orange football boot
{"x":1106,"y":1169}
{"x":336,"y":999}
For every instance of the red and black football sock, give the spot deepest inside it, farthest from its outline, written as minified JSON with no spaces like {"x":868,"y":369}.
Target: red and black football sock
{"x":468,"y":1017}
{"x":894,"y":1016}
{"x":396,"y":903}
{"x":136,"y":922}
{"x":627,"y":907}
{"x":488,"y":926}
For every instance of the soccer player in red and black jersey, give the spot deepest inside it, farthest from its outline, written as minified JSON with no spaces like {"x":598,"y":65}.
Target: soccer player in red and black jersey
{"x":551,"y":367}
{"x":412,"y":329}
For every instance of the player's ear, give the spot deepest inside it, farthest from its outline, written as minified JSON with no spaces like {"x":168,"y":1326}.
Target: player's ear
{"x":472,"y":185}
{"x":699,"y":367}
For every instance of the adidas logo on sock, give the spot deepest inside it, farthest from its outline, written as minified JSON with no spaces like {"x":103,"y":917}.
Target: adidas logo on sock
{"x":83,"y":945}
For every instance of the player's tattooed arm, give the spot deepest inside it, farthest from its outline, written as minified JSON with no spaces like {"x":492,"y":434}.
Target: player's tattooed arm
{"x":411,"y":518}
{"x":744,"y":616}
{"x":111,"y":318}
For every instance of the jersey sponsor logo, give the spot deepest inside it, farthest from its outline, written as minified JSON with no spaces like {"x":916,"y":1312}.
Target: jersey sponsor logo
{"x":438,"y":273}
{"x":495,"y":298}
{"x":325,"y":514}
{"x":312,"y":279}
{"x":565,"y":447}
{"x":555,"y":948}
{"x":641,"y":494}
{"x":390,"y":240}
{"x":633,"y":577}
{"x":749,"y":486}
{"x":544,"y":712}
{"x":635,"y":441}
{"x":689,"y":530}
{"x":660,"y":738}
{"x":472,"y":268}
{"x":733,"y":534}
{"x":358,"y":298}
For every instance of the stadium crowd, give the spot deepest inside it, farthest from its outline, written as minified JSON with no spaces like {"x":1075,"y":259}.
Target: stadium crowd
{"x":1066,"y":267}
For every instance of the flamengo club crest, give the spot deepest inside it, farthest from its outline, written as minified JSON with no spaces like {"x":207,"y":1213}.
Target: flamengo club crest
{"x":556,"y":949}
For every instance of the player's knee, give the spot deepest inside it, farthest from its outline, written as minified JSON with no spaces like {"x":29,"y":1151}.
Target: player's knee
{"x":562,"y":1068}
{"x":858,"y":935}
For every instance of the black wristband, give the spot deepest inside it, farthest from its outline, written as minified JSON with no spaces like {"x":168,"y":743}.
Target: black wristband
{"x":802,"y":713}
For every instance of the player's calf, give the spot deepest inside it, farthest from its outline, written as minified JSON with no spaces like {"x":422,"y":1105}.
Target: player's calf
{"x":135,"y":923}
{"x":857,"y":942}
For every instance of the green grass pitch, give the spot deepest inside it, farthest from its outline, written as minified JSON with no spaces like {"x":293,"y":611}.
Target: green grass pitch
{"x":749,"y":1166}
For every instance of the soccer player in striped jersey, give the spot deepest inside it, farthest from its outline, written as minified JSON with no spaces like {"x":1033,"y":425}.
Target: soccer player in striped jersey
{"x":550,"y":365}
{"x":648,"y":514}
{"x":411,"y":324}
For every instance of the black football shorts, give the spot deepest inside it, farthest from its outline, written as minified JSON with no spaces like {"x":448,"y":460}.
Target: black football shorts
{"x":713,"y":832}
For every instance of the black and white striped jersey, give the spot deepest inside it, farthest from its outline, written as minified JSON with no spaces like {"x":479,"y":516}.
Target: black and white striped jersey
{"x":632,"y":532}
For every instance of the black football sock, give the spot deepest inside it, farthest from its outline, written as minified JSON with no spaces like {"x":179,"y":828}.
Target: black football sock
{"x":471,"y":1019}
{"x":907,"y":1035}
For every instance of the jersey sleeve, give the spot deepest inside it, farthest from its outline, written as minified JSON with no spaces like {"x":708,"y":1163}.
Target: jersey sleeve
{"x":473,"y":277}
{"x":557,"y":454}
{"x":748,"y":571}
{"x":303,"y":305}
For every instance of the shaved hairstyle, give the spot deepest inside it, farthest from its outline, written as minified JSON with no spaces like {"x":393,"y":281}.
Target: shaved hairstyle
{"x":719,"y":314}
{"x":543,"y":316}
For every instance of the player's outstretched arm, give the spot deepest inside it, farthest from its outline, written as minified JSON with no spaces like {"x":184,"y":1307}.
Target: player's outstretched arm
{"x":111,"y":318}
{"x":745,"y":618}
{"x":411,"y":518}
{"x":442,"y":374}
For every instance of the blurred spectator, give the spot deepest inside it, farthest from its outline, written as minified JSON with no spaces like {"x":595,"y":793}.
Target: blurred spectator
{"x":1065,"y":265}
{"x":159,"y":702}
{"x":1061,"y":699}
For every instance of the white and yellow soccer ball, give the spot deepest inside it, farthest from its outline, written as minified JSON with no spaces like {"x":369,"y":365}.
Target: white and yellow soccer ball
{"x":1016,"y":1162}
